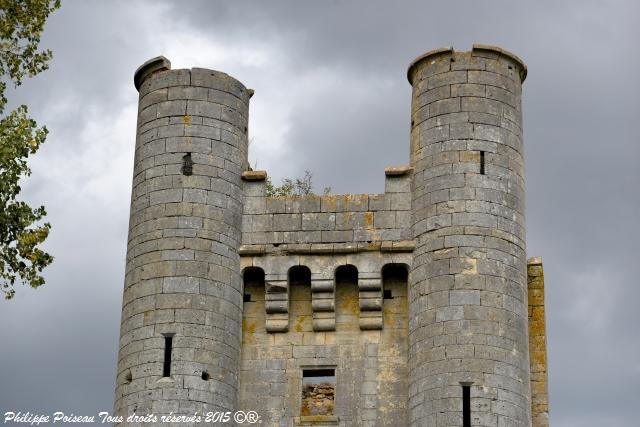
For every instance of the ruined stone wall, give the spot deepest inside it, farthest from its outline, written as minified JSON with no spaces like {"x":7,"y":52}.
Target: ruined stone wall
{"x":537,"y":344}
{"x":319,"y":222}
{"x":370,"y":365}
{"x":392,"y":301}
{"x":468,"y":290}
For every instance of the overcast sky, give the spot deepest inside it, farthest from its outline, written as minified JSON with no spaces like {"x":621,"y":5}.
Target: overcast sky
{"x":332,"y":97}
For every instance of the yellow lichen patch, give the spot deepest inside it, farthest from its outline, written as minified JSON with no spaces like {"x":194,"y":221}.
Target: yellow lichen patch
{"x":300,"y":320}
{"x":330,"y":202}
{"x":537,"y":344}
{"x":248,"y":331}
{"x":349,"y":303}
{"x":368,"y":219}
{"x":186,"y":120}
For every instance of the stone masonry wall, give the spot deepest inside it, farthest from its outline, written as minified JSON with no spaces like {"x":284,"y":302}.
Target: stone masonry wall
{"x":326,"y":220}
{"x":537,"y":344}
{"x":468,"y":300}
{"x":404,"y":295}
{"x":183,"y":268}
{"x":370,"y":365}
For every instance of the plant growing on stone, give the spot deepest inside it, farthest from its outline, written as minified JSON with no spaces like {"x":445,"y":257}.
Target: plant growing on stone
{"x":21,"y":232}
{"x":294,"y":186}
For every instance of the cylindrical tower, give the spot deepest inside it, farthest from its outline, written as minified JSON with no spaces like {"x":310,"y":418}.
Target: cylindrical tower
{"x":468,"y":345}
{"x":182,"y":305}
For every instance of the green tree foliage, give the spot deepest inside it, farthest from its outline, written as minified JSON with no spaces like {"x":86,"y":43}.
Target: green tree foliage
{"x":21,"y":232}
{"x":294,"y":186}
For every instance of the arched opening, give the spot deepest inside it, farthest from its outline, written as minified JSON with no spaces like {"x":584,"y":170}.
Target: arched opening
{"x":253,"y":313}
{"x":395,"y":282}
{"x":347,"y":298}
{"x":300,"y":299}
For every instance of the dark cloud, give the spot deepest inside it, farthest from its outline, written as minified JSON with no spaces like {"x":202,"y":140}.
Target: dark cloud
{"x":332,"y":97}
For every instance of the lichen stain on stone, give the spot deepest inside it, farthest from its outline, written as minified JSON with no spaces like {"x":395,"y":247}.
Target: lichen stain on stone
{"x":248,"y":331}
{"x":368,"y":219}
{"x":300,"y":320}
{"x":331,"y":202}
{"x":349,"y":303}
{"x":186,"y":120}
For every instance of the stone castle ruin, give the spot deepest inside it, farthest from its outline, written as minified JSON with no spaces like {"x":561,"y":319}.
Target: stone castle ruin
{"x":412,"y":307}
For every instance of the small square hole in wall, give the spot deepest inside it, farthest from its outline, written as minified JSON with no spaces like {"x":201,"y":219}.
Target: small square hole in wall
{"x":387,"y":294}
{"x":246,"y":298}
{"x":318,"y":391}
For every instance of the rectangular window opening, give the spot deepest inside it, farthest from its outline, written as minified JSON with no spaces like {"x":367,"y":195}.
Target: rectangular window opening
{"x":318,"y":392}
{"x":168,"y":344}
{"x":482,"y":162}
{"x":466,"y":405}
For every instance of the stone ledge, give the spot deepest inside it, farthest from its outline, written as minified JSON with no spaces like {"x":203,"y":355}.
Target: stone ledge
{"x":252,"y":250}
{"x":318,"y":420}
{"x":254,"y":175}
{"x":397,"y":170}
{"x":328,"y":248}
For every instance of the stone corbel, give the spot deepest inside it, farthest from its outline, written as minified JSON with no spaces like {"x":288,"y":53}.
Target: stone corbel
{"x":370,"y":298}
{"x":323,"y":304}
{"x":276,"y":305}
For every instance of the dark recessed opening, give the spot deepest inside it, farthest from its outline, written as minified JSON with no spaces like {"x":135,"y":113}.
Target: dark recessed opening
{"x":128,"y":378}
{"x":347,"y":274}
{"x":309,"y":373}
{"x":466,"y":405}
{"x":482,"y":162}
{"x":453,"y":59}
{"x":412,"y":122}
{"x":205,"y":375}
{"x":187,"y":164}
{"x":275,"y":245}
{"x":395,"y":272}
{"x":387,"y":294}
{"x":246,"y":298}
{"x":300,"y":274}
{"x":245,"y":129}
{"x":510,"y":67}
{"x":168,"y":344}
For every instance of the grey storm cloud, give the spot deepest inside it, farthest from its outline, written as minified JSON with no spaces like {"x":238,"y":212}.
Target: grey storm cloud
{"x":332,"y":97}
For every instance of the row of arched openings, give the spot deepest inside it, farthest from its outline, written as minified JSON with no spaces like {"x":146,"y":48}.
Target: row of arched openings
{"x":394,"y":291}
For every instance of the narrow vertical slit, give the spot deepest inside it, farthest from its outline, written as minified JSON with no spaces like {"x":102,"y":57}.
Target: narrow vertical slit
{"x":466,"y":405}
{"x":482,"y":162}
{"x":187,"y":164}
{"x":168,"y":343}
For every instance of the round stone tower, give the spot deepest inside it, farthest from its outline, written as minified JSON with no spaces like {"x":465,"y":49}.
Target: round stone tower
{"x":182,"y":305}
{"x":468,"y":345}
